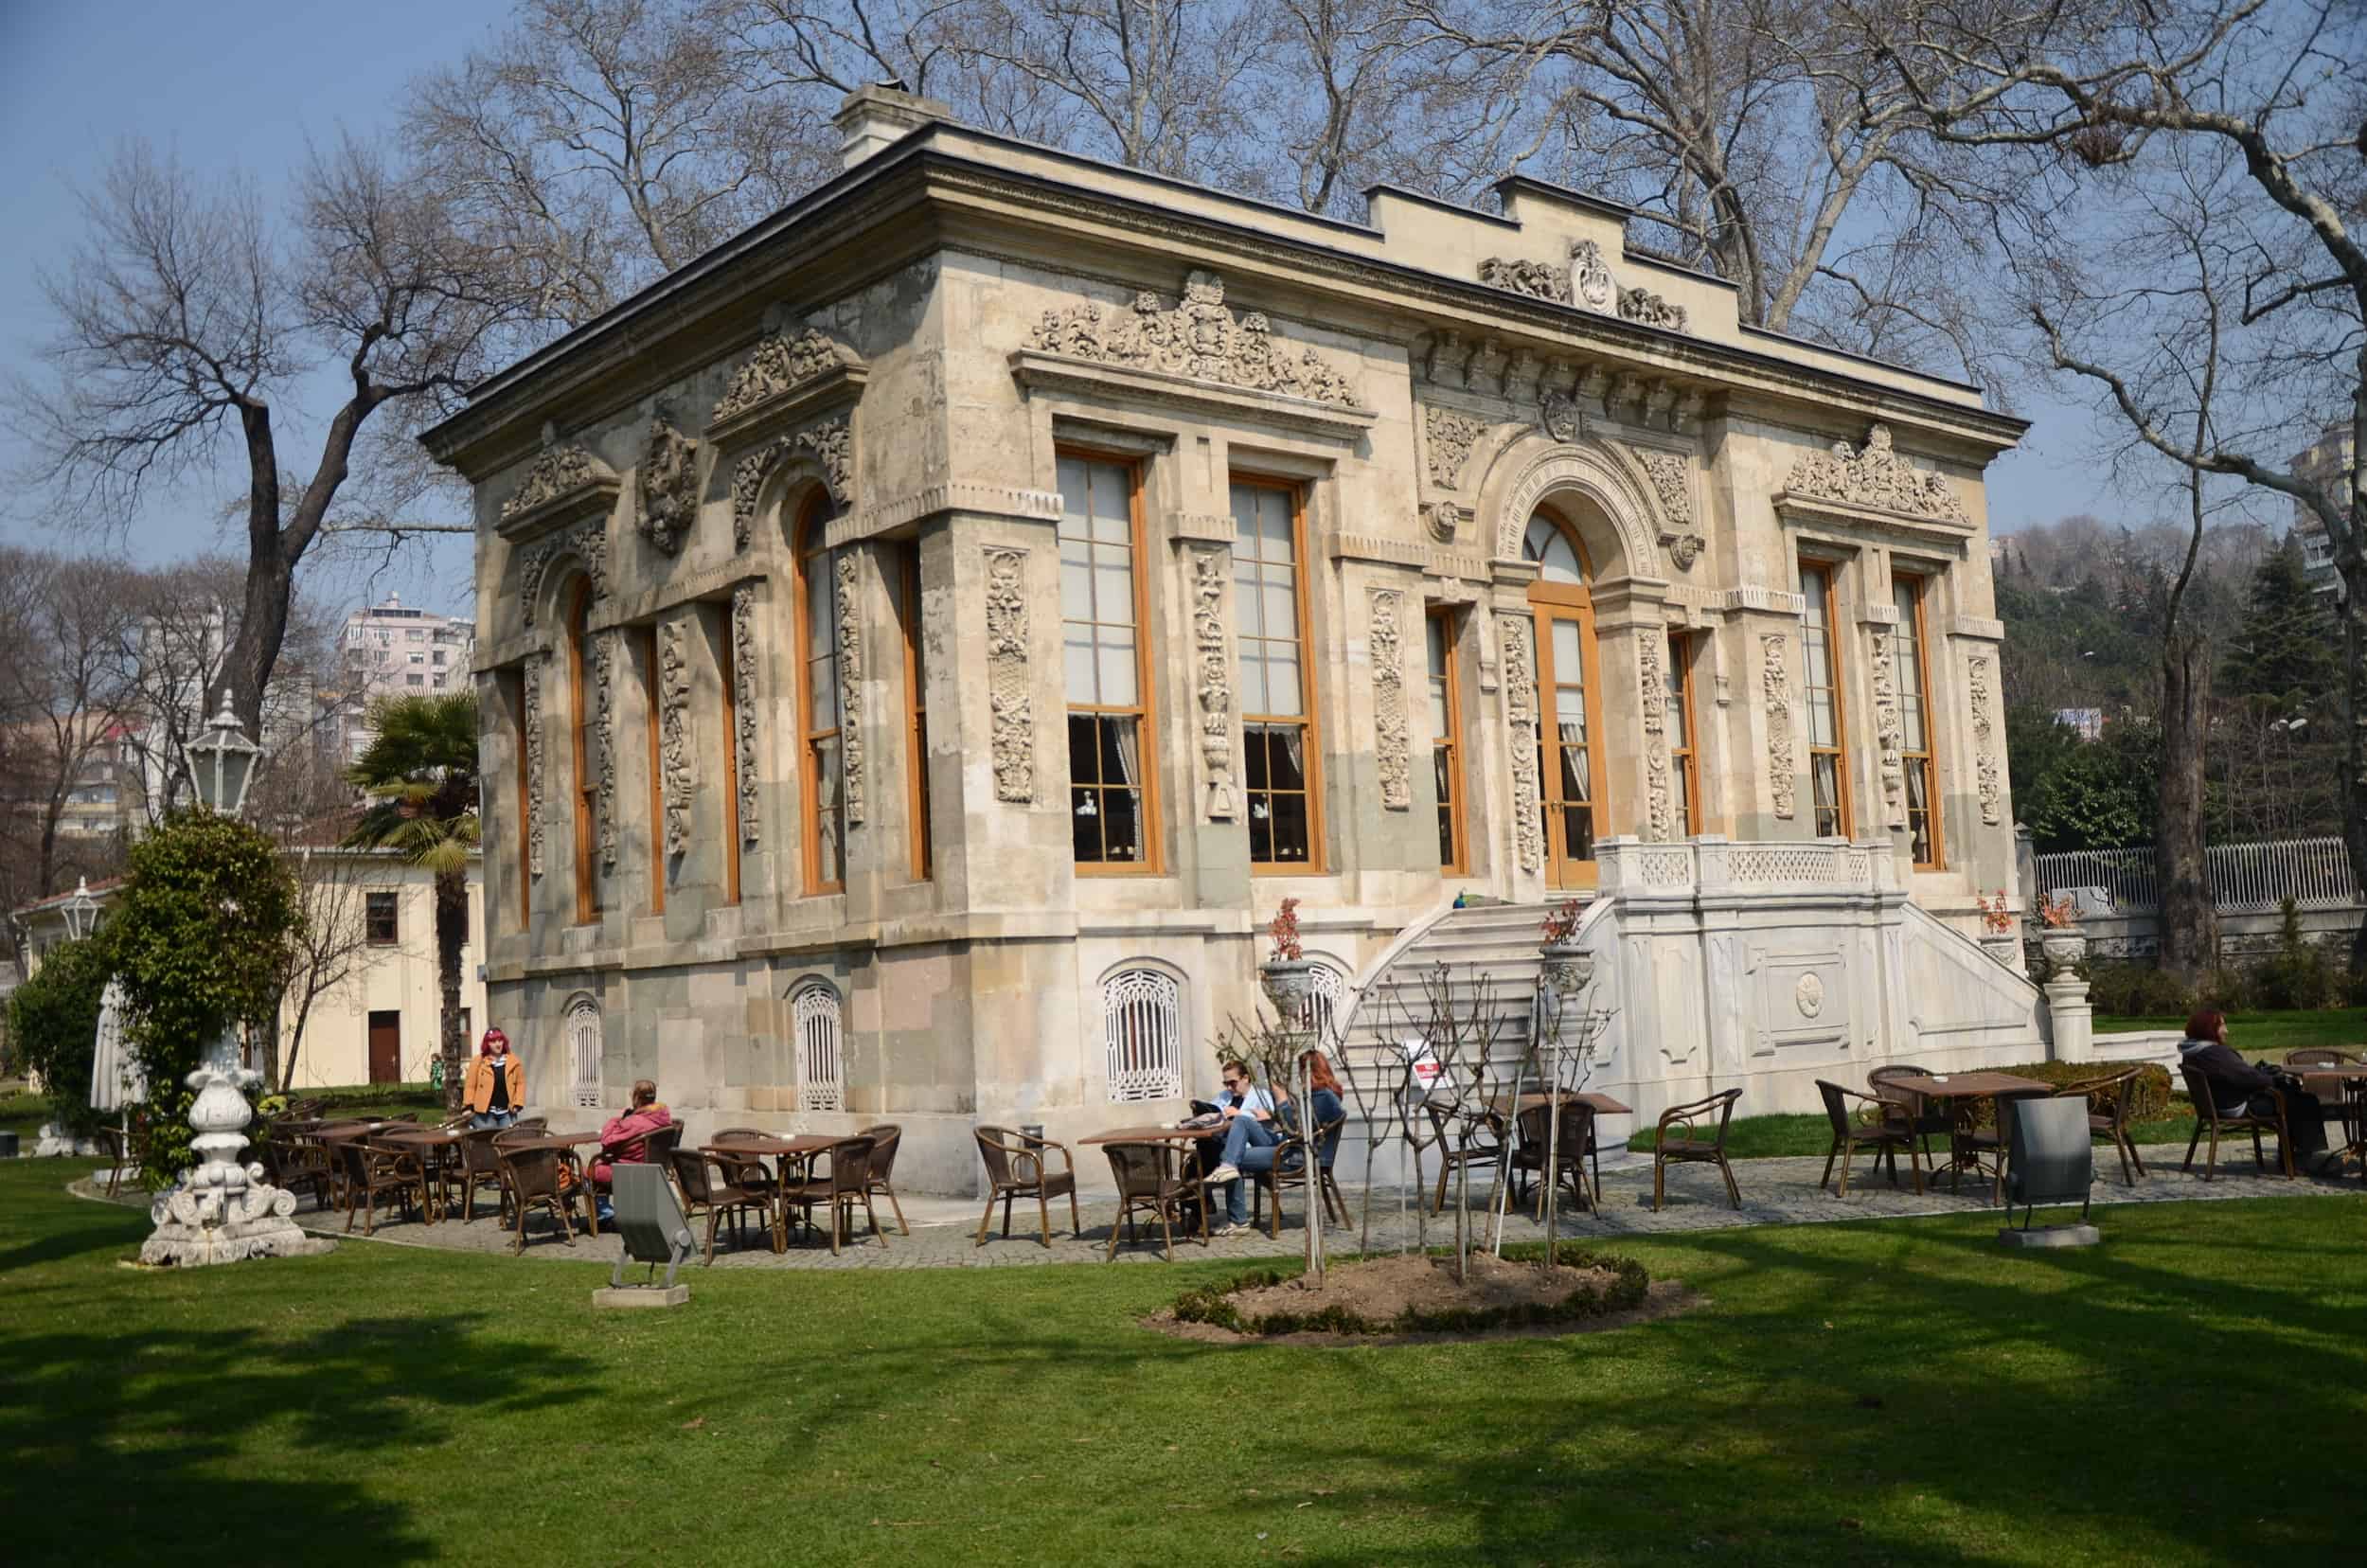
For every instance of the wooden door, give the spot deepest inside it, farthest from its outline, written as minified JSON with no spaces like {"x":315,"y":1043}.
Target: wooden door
{"x":386,"y":1047}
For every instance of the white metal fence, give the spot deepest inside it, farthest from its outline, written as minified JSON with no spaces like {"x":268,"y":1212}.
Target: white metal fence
{"x":2315,"y":873}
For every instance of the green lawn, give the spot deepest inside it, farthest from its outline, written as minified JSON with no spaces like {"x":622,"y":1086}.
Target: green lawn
{"x":1873,"y":1393}
{"x":1762,"y":1137}
{"x":2270,"y":1032}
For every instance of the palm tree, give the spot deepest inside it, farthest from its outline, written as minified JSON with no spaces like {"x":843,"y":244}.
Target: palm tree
{"x":420,"y":773}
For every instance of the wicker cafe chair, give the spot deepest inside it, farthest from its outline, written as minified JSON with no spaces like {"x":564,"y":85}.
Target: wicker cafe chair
{"x":1678,"y":1139}
{"x":1907,"y":1107}
{"x":1481,"y":1142}
{"x":1289,"y":1169}
{"x":1884,"y":1136}
{"x":532,"y":1176}
{"x":1016,"y":1168}
{"x":534,"y":1126}
{"x":2210,"y":1118}
{"x":479,"y":1163}
{"x":716,"y":1184}
{"x":1148,"y":1185}
{"x":2109,"y":1120}
{"x":1572,"y":1148}
{"x":847,"y":1182}
{"x":2344,"y":1107}
{"x":885,"y":1138}
{"x":374,"y":1168}
{"x":298,"y":1165}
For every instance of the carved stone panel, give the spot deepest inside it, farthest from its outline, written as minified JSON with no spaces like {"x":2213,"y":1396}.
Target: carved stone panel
{"x":1651,"y":310}
{"x":1889,"y":733}
{"x":1875,"y":476}
{"x":780,"y":364}
{"x":1776,"y":686}
{"x":1014,"y":723}
{"x":1537,"y":279}
{"x":1652,"y":671}
{"x":587,"y":543}
{"x":673,"y":730}
{"x":830,"y":443}
{"x":558,"y":473}
{"x":1447,"y":437}
{"x":1589,"y":276}
{"x":1391,"y":747}
{"x":850,"y":685}
{"x":669,"y":487}
{"x":1672,"y":482}
{"x":1986,"y":769}
{"x":1200,"y":337}
{"x":530,"y":722}
{"x":1213,"y":685}
{"x":744,"y":708}
{"x":604,"y":650}
{"x":1520,"y":682}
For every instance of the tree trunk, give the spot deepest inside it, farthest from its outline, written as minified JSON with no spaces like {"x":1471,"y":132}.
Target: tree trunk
{"x":451,"y":929}
{"x":2353,"y":795}
{"x":2190,"y":925}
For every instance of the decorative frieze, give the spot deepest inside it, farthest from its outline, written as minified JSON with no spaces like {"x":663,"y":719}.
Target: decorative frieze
{"x":530,"y":723}
{"x":1647,"y":309}
{"x":846,"y":586}
{"x":1200,"y":337}
{"x":1650,"y":652}
{"x":669,"y":487}
{"x":587,"y":543}
{"x":1519,"y":662}
{"x":1013,"y":719}
{"x":604,"y":680}
{"x":1671,"y":475}
{"x":1890,"y":737}
{"x":673,"y":728}
{"x":1875,"y":476}
{"x":1213,"y":685}
{"x":1984,"y":761}
{"x":1446,"y":440}
{"x":744,"y":708}
{"x":1775,"y":688}
{"x":780,"y":364}
{"x":559,"y":474}
{"x":1537,"y":279}
{"x":1391,"y":748}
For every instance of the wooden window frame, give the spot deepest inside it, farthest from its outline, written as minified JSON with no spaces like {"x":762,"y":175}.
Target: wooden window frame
{"x":1918,"y":588}
{"x":915,"y":709}
{"x":653,"y":698}
{"x":727,"y":665}
{"x":1146,"y":700}
{"x":1837,"y":672}
{"x":394,"y":917}
{"x":1684,"y":761}
{"x":585,"y":784}
{"x":813,"y":517}
{"x":515,"y":683}
{"x":1550,"y":602}
{"x":1312,"y":744}
{"x":1450,"y":740}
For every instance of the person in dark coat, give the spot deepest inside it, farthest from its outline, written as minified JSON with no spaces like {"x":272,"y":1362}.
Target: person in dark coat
{"x":2239,"y":1088}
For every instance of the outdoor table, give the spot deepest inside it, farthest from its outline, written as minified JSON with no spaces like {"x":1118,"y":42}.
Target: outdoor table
{"x":1604,"y":1105}
{"x":1958,"y":1091}
{"x":2332,"y":1085}
{"x":797,"y":1150}
{"x":1183,"y":1138}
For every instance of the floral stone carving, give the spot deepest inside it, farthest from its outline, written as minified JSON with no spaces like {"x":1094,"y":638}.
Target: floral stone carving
{"x":744,"y":707}
{"x":1986,"y":767}
{"x":1519,"y":677}
{"x":1213,"y":685}
{"x":673,"y":726}
{"x":1391,"y":746}
{"x":1537,"y":279}
{"x":1776,"y":689}
{"x":1875,"y":476}
{"x":587,"y":543}
{"x":1650,"y":672}
{"x":831,"y":444}
{"x":1648,"y":308}
{"x":558,"y":471}
{"x":1809,"y":995}
{"x":530,"y":722}
{"x":1889,"y":735}
{"x":669,"y":487}
{"x":1672,"y":481}
{"x":1014,"y":723}
{"x":780,"y":362}
{"x":1448,"y":437}
{"x":604,"y":665}
{"x":1200,"y":337}
{"x":1446,"y":520}
{"x":849,"y":687}
{"x":1589,"y":276}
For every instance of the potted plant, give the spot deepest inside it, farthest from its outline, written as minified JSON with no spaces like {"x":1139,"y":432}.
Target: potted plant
{"x":1290,"y":974}
{"x":1568,"y":967}
{"x":2059,"y":936}
{"x":2001,"y":930}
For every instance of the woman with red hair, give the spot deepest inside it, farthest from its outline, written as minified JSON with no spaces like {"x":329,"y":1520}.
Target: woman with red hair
{"x":2239,"y":1088}
{"x":496,"y":1084}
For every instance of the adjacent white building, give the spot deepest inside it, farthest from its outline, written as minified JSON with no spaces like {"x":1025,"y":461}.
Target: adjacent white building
{"x":2329,"y":463}
{"x":395,"y":649}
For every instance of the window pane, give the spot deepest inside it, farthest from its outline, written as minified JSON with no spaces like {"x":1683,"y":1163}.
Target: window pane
{"x":1117,"y":668}
{"x":1077,"y":588}
{"x":1282,"y":680}
{"x":1290,"y":829}
{"x":1077,"y":666}
{"x":1569,"y":667}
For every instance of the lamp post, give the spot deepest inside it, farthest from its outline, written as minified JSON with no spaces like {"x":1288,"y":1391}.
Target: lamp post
{"x":82,"y":910}
{"x":221,"y":762}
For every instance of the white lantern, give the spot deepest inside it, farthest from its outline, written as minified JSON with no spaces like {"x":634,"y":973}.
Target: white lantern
{"x":222,"y":762}
{"x":82,"y":910}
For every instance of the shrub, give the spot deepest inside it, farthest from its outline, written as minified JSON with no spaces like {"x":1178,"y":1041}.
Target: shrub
{"x":2300,"y":975}
{"x":53,"y":1020}
{"x":2148,"y":1092}
{"x":2127,"y":989}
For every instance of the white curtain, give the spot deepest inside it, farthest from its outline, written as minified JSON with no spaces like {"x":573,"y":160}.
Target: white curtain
{"x":1130,"y":749}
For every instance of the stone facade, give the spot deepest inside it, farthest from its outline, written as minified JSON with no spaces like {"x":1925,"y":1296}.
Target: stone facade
{"x":892,"y":481}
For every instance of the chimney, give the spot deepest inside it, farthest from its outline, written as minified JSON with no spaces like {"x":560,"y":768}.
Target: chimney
{"x":871,"y":119}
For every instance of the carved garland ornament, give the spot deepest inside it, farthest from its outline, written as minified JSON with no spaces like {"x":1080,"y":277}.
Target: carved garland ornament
{"x":744,"y":706}
{"x":1391,"y":746}
{"x":554,"y":474}
{"x":1984,"y":743}
{"x":1520,"y":678}
{"x":1537,"y":279}
{"x":1647,"y":309}
{"x":1672,"y":480}
{"x":1212,"y":684}
{"x":1448,"y":439}
{"x":604,"y":666}
{"x":669,"y":487}
{"x":831,"y":446}
{"x":1776,"y":686}
{"x":530,"y":721}
{"x":1890,"y":737}
{"x":1014,"y":724}
{"x":1657,"y":811}
{"x":1200,"y":337}
{"x":780,"y":362}
{"x":588,"y":542}
{"x":849,"y":687}
{"x":674,"y":734}
{"x":1875,"y":476}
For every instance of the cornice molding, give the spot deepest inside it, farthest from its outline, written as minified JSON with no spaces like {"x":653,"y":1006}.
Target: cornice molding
{"x":1042,"y":372}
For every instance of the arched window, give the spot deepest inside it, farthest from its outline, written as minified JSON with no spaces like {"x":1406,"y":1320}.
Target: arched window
{"x":583,"y":1053}
{"x":1142,"y":1030}
{"x":1570,"y":792}
{"x":1556,"y":559}
{"x":818,"y":718}
{"x":813,"y":1012}
{"x":582,"y":705}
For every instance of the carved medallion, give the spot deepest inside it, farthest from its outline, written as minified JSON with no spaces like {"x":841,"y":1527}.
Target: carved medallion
{"x":1589,"y":276}
{"x":1809,"y":995}
{"x":1561,"y":417}
{"x":1013,"y":720}
{"x":669,"y":487}
{"x":1391,"y":746}
{"x":1445,"y":519}
{"x":1200,"y":337}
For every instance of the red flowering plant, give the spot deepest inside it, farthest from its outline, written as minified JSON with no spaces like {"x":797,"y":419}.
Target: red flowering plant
{"x":1997,"y":916}
{"x":2057,"y":913}
{"x":1283,"y":929}
{"x":1562,"y":922}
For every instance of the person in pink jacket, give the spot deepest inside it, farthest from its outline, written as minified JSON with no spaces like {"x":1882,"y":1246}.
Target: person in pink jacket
{"x":625,"y":1140}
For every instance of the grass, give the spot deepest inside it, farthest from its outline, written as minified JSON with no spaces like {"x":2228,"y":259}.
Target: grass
{"x":1871,"y":1393}
{"x":1767,"y":1138}
{"x":2270,"y":1032}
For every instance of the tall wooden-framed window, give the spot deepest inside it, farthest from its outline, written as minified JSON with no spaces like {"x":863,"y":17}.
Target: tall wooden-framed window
{"x":1104,"y":613}
{"x":1829,"y":771}
{"x":515,"y":681}
{"x":907,"y":589}
{"x":1684,"y":774}
{"x":727,"y":671}
{"x":1281,"y":761}
{"x":586,"y":786}
{"x":1446,"y":744}
{"x":1570,"y":792}
{"x":1910,"y":666}
{"x":653,"y":698}
{"x":818,"y":716}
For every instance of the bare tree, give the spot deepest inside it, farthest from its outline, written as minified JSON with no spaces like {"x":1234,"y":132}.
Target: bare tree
{"x":330,"y":948}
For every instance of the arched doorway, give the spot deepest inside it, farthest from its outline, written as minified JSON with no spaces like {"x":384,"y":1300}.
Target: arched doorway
{"x":1570,"y":769}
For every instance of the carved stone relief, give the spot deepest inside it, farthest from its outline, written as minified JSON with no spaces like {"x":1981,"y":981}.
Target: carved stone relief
{"x":1561,"y":417}
{"x":1520,"y":683}
{"x":604,"y":677}
{"x":1776,"y":687}
{"x":1445,"y":519}
{"x":669,"y":487}
{"x":1537,"y":279}
{"x":1986,"y":768}
{"x":553,"y":475}
{"x":1650,"y":669}
{"x":1672,"y":481}
{"x":587,"y":543}
{"x":1448,"y":437}
{"x":1890,"y":737}
{"x":673,"y":731}
{"x":1648,"y":308}
{"x":1589,"y":276}
{"x":530,"y":721}
{"x":1213,"y":685}
{"x":1200,"y":337}
{"x":849,"y":686}
{"x":780,"y":362}
{"x":1014,"y":724}
{"x":1875,"y":476}
{"x":1809,"y":995}
{"x":744,"y":706}
{"x":1390,"y":745}
{"x":830,"y":443}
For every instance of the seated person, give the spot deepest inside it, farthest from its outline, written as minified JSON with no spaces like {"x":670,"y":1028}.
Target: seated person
{"x":1323,"y":1087}
{"x":1248,"y":1124}
{"x":2239,"y":1088}
{"x":626,"y":1141}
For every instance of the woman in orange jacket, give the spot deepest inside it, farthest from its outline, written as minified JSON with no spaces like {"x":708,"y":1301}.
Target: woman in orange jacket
{"x":497,"y":1083}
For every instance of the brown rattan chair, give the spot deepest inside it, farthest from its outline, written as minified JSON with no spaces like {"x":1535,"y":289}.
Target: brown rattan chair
{"x":303,"y":1109}
{"x":536,"y":1126}
{"x":716,"y":1185}
{"x":885,"y":1138}
{"x":2107,"y":1116}
{"x":109,"y":1141}
{"x":1480,"y":1141}
{"x":1289,"y":1169}
{"x":531,"y":1175}
{"x":1907,"y":1107}
{"x":296,"y":1164}
{"x":1148,"y":1185}
{"x":2344,"y":1107}
{"x":1572,"y":1148}
{"x":844,"y":1183}
{"x":1885,"y":1136}
{"x":1679,"y":1139}
{"x":1016,"y":1168}
{"x":480,"y":1164}
{"x":372,"y":1169}
{"x":2210,"y":1118}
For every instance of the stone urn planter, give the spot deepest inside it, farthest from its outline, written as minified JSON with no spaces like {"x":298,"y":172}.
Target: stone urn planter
{"x":1568,"y":967}
{"x":1288,"y":984}
{"x":2005,"y":949}
{"x":2063,"y":945}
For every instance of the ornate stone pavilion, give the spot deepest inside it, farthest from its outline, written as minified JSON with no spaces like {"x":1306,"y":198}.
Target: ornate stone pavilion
{"x":923,"y":640}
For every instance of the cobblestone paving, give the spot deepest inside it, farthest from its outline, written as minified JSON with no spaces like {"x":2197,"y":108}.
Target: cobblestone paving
{"x":1774,"y":1192}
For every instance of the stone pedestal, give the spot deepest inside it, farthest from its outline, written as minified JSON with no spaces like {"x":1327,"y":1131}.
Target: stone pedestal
{"x":220,"y":1211}
{"x":2048,"y":1235}
{"x":641,"y":1295}
{"x":2074,"y":1018}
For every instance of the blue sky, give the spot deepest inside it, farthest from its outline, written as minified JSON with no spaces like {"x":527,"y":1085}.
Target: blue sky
{"x":239,"y":85}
